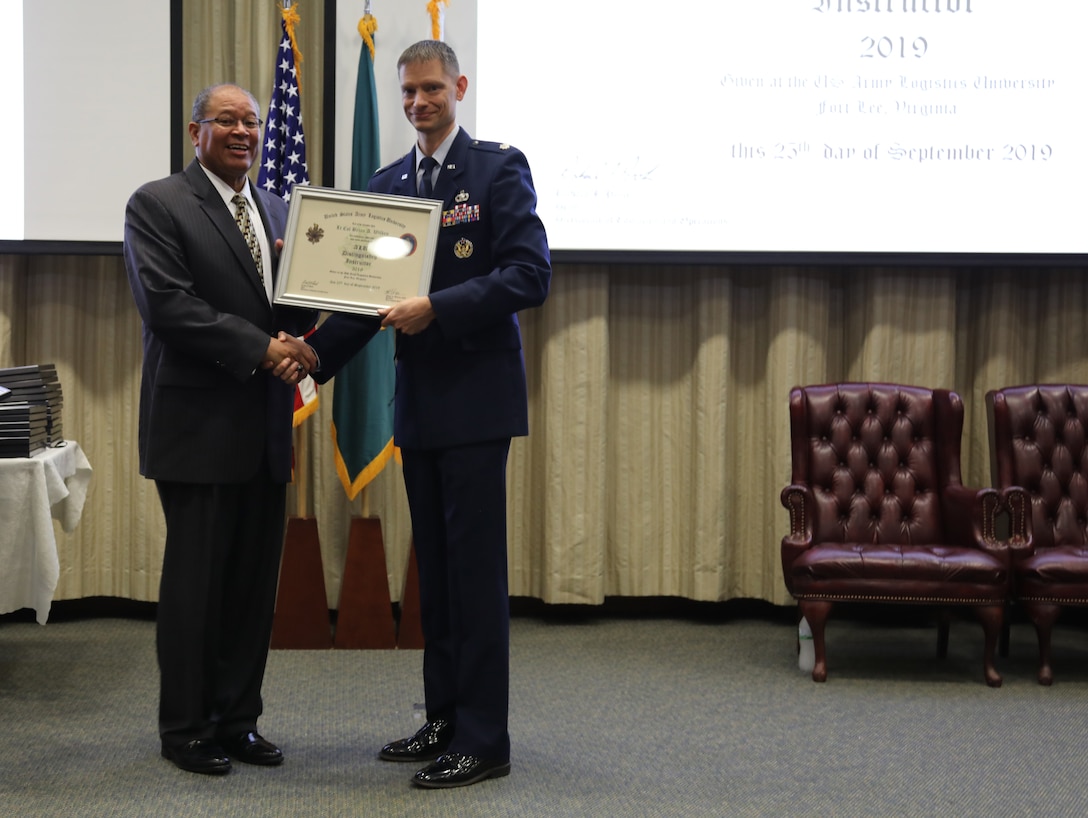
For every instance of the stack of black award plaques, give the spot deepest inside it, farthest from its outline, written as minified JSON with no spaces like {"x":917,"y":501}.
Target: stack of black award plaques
{"x":30,"y":410}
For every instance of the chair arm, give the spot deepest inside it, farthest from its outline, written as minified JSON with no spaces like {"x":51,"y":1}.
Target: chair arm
{"x":971,"y":516}
{"x":1017,"y":503}
{"x":984,"y":508}
{"x":798,"y":500}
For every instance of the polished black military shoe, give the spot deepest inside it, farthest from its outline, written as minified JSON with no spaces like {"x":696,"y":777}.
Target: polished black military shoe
{"x":430,"y":741}
{"x":459,"y":770}
{"x":201,"y":755}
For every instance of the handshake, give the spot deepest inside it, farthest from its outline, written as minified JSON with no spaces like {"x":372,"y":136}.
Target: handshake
{"x":291,"y":359}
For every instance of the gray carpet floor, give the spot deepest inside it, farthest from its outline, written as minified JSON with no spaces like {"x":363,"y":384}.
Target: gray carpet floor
{"x":609,"y":717}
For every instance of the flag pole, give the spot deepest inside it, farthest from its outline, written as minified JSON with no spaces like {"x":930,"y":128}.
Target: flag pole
{"x":302,"y":473}
{"x":301,"y":618}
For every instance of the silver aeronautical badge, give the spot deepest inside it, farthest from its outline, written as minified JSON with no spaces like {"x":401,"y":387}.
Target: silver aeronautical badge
{"x":463,"y":248}
{"x":461,"y":197}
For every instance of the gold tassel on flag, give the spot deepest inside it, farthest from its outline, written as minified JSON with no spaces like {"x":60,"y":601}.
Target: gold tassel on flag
{"x":291,"y":19}
{"x":367,"y":26}
{"x":436,"y":15}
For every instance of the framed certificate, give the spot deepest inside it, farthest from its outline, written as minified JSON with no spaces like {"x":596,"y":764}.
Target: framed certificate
{"x":348,"y":251}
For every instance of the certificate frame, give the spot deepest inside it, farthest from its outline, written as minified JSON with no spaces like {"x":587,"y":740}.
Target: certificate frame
{"x":328,"y":261}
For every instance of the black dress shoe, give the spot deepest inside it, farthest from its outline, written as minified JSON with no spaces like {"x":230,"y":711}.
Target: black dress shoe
{"x":459,"y":770}
{"x":201,"y":755}
{"x":430,"y":741}
{"x":252,"y":748}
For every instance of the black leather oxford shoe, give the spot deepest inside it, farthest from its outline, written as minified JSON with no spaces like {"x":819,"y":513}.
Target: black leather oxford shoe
{"x":430,"y":741}
{"x":459,"y":770}
{"x":201,"y":755}
{"x":252,"y":748}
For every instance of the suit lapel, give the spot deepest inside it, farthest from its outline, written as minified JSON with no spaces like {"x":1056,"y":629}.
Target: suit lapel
{"x":220,"y":216}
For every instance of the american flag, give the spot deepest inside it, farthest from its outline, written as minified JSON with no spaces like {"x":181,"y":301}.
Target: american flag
{"x":283,"y":161}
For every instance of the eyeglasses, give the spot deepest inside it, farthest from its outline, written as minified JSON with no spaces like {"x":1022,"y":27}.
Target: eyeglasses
{"x":227,"y":123}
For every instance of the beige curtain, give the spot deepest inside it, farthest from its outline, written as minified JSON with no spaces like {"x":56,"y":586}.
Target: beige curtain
{"x":660,"y":439}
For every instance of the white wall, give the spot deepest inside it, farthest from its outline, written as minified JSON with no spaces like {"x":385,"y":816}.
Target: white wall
{"x":95,"y":118}
{"x":399,"y":25}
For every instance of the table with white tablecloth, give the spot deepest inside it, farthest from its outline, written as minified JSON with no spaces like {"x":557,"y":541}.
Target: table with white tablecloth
{"x":35,"y":491}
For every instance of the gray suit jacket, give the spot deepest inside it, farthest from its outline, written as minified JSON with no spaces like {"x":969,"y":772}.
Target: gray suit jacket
{"x":208,"y":412}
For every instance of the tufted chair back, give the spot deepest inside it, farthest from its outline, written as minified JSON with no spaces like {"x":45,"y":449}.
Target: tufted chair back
{"x":876,"y":457}
{"x":1039,"y":440}
{"x":878,"y":512}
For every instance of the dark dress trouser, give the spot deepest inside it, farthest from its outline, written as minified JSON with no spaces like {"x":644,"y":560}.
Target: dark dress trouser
{"x":224,"y":540}
{"x":457,"y":498}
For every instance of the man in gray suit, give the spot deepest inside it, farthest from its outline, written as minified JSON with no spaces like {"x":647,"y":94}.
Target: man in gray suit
{"x":200,"y":250}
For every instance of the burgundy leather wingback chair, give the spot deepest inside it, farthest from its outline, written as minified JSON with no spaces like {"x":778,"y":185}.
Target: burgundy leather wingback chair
{"x":1039,"y":440}
{"x":878,"y":512}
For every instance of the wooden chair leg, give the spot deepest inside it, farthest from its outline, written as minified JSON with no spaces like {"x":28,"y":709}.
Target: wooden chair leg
{"x":798,"y":616}
{"x":1043,"y":616}
{"x":992,"y":617}
{"x":816,"y":611}
{"x":944,"y":620}
{"x":1003,"y":645}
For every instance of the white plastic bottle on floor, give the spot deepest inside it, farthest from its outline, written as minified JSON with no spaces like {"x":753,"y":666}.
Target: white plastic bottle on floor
{"x":806,"y":657}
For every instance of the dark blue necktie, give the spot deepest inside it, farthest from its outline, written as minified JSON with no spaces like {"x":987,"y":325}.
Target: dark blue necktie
{"x":428,"y":163}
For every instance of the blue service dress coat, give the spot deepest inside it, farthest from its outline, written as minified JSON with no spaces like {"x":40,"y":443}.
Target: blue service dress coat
{"x":460,"y":396}
{"x":462,"y":380}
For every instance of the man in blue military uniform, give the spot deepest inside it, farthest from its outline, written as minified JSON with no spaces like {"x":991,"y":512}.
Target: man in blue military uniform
{"x":461,"y":396}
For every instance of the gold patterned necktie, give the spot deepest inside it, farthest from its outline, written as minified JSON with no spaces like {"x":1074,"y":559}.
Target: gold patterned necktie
{"x":241,"y":216}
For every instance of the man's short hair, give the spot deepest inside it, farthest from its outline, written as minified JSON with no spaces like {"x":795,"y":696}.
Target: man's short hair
{"x":427,"y":50}
{"x":200,"y":104}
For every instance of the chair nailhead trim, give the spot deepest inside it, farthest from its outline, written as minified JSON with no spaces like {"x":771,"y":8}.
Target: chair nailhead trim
{"x":919,"y":599}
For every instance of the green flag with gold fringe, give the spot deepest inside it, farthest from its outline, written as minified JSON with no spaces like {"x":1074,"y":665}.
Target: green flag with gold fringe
{"x":362,"y":406}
